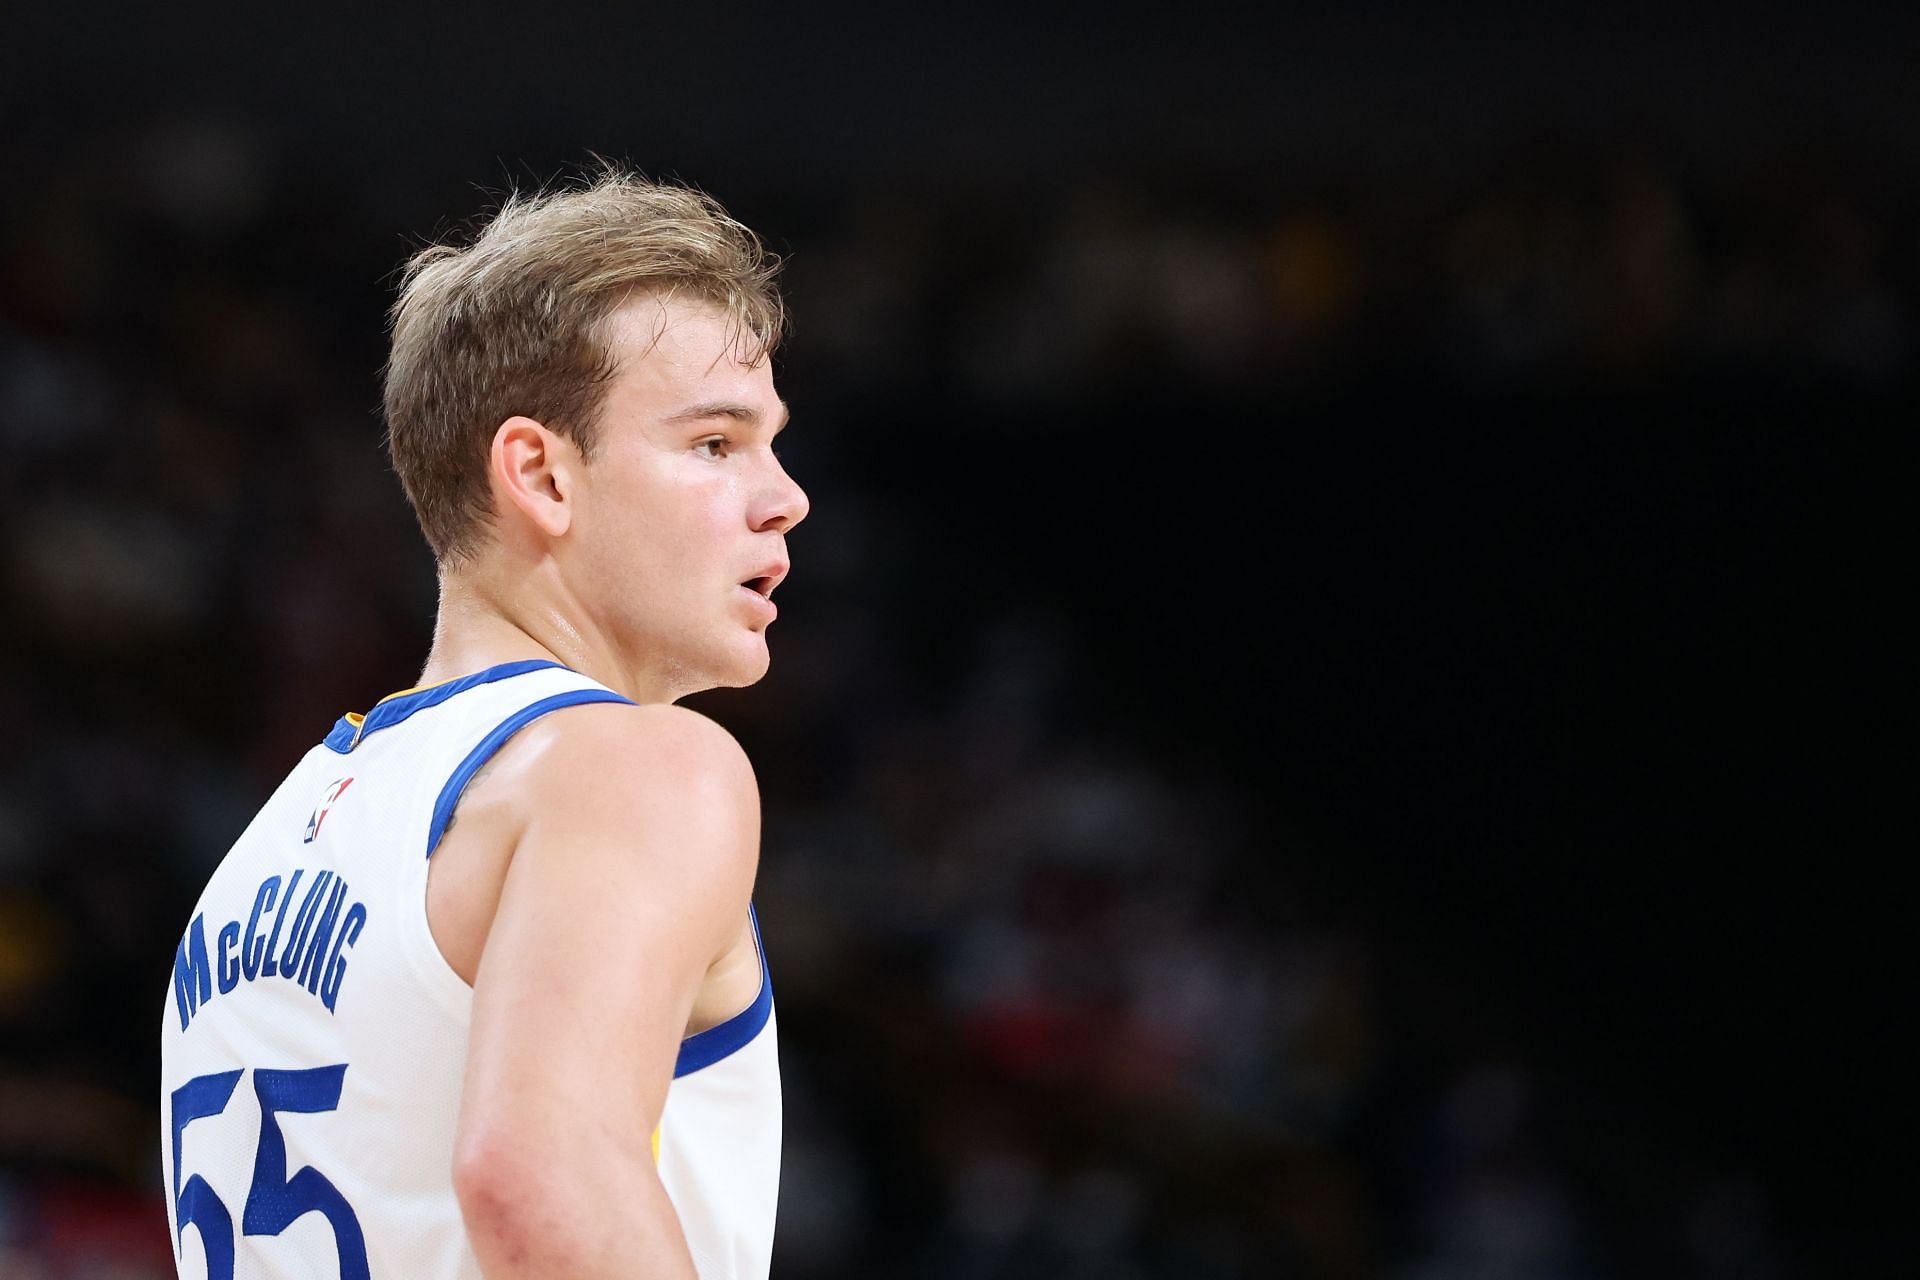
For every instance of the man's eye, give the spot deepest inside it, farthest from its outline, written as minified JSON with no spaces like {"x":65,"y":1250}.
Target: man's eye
{"x":715,"y":447}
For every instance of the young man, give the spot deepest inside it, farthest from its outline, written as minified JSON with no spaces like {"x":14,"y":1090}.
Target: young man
{"x":480,"y":991}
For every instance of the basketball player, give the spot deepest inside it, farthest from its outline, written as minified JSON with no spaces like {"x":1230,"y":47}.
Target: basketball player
{"x":480,"y":991}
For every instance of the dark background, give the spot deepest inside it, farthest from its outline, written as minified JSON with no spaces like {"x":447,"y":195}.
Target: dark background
{"x":1334,"y":715}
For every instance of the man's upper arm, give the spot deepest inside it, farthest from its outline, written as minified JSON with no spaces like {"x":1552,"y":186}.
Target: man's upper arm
{"x":634,"y":863}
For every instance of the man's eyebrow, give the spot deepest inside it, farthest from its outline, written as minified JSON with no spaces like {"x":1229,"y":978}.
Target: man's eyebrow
{"x":729,"y":409}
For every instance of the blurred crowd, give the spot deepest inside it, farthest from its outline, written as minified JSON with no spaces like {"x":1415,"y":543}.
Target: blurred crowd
{"x":1586,"y":265}
{"x":1051,"y":1005}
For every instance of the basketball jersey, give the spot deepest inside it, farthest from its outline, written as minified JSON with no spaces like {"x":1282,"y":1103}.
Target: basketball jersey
{"x":314,"y":1038}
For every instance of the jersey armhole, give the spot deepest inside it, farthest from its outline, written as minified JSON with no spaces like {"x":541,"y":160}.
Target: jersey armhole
{"x":715,"y":1043}
{"x":429,"y":961}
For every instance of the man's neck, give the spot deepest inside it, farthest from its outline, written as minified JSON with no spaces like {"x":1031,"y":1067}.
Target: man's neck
{"x":475,"y":629}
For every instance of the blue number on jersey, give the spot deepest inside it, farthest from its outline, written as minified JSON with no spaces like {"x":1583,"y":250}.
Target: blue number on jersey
{"x":197,"y":1204}
{"x":274,"y":1201}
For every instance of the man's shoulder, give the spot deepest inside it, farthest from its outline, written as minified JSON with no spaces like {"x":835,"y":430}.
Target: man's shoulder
{"x":661,"y":736}
{"x":614,"y":762}
{"x":601,"y":798}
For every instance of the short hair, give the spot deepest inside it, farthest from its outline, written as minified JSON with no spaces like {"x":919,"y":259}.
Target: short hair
{"x":514,"y":323}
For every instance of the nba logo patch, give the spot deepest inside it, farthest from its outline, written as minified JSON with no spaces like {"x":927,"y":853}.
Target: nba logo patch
{"x":334,"y":791}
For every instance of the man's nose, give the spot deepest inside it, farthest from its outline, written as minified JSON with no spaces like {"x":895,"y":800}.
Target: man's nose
{"x":786,"y":505}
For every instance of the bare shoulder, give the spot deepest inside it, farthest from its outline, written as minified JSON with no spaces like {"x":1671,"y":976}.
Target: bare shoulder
{"x":653,"y":802}
{"x":656,"y":784}
{"x":614,"y":762}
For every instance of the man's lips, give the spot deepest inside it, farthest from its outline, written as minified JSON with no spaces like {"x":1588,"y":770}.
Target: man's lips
{"x":759,"y":603}
{"x":760,"y":587}
{"x":769,"y":577}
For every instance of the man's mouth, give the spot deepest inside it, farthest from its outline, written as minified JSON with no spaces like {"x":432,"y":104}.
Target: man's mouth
{"x":769,"y":577}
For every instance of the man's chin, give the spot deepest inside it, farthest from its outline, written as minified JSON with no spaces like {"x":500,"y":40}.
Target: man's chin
{"x":749,"y":665}
{"x":735,"y":666}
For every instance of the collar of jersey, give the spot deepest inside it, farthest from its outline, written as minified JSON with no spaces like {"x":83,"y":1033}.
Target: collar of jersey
{"x":353,"y":729}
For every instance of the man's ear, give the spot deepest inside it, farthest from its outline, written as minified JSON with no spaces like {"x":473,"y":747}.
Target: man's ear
{"x":534,"y":469}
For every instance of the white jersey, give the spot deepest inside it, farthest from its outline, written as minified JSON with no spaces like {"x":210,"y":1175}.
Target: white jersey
{"x":314,"y":1038}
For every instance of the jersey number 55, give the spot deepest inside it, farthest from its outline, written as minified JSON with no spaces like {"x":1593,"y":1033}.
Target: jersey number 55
{"x":274,"y":1200}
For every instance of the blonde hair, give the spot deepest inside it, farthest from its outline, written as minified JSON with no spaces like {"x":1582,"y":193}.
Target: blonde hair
{"x":514,"y":324}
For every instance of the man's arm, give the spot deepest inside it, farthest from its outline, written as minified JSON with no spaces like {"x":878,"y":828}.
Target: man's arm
{"x":627,"y":881}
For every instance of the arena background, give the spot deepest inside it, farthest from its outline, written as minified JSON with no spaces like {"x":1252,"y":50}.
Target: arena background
{"x":1325,"y":718}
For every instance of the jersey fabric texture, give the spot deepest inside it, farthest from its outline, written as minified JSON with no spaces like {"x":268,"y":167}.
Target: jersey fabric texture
{"x":314,"y":1038}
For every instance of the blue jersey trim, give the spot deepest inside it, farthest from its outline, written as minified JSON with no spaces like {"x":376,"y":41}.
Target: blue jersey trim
{"x":392,"y":710}
{"x":450,"y":794}
{"x":737,"y":1032}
